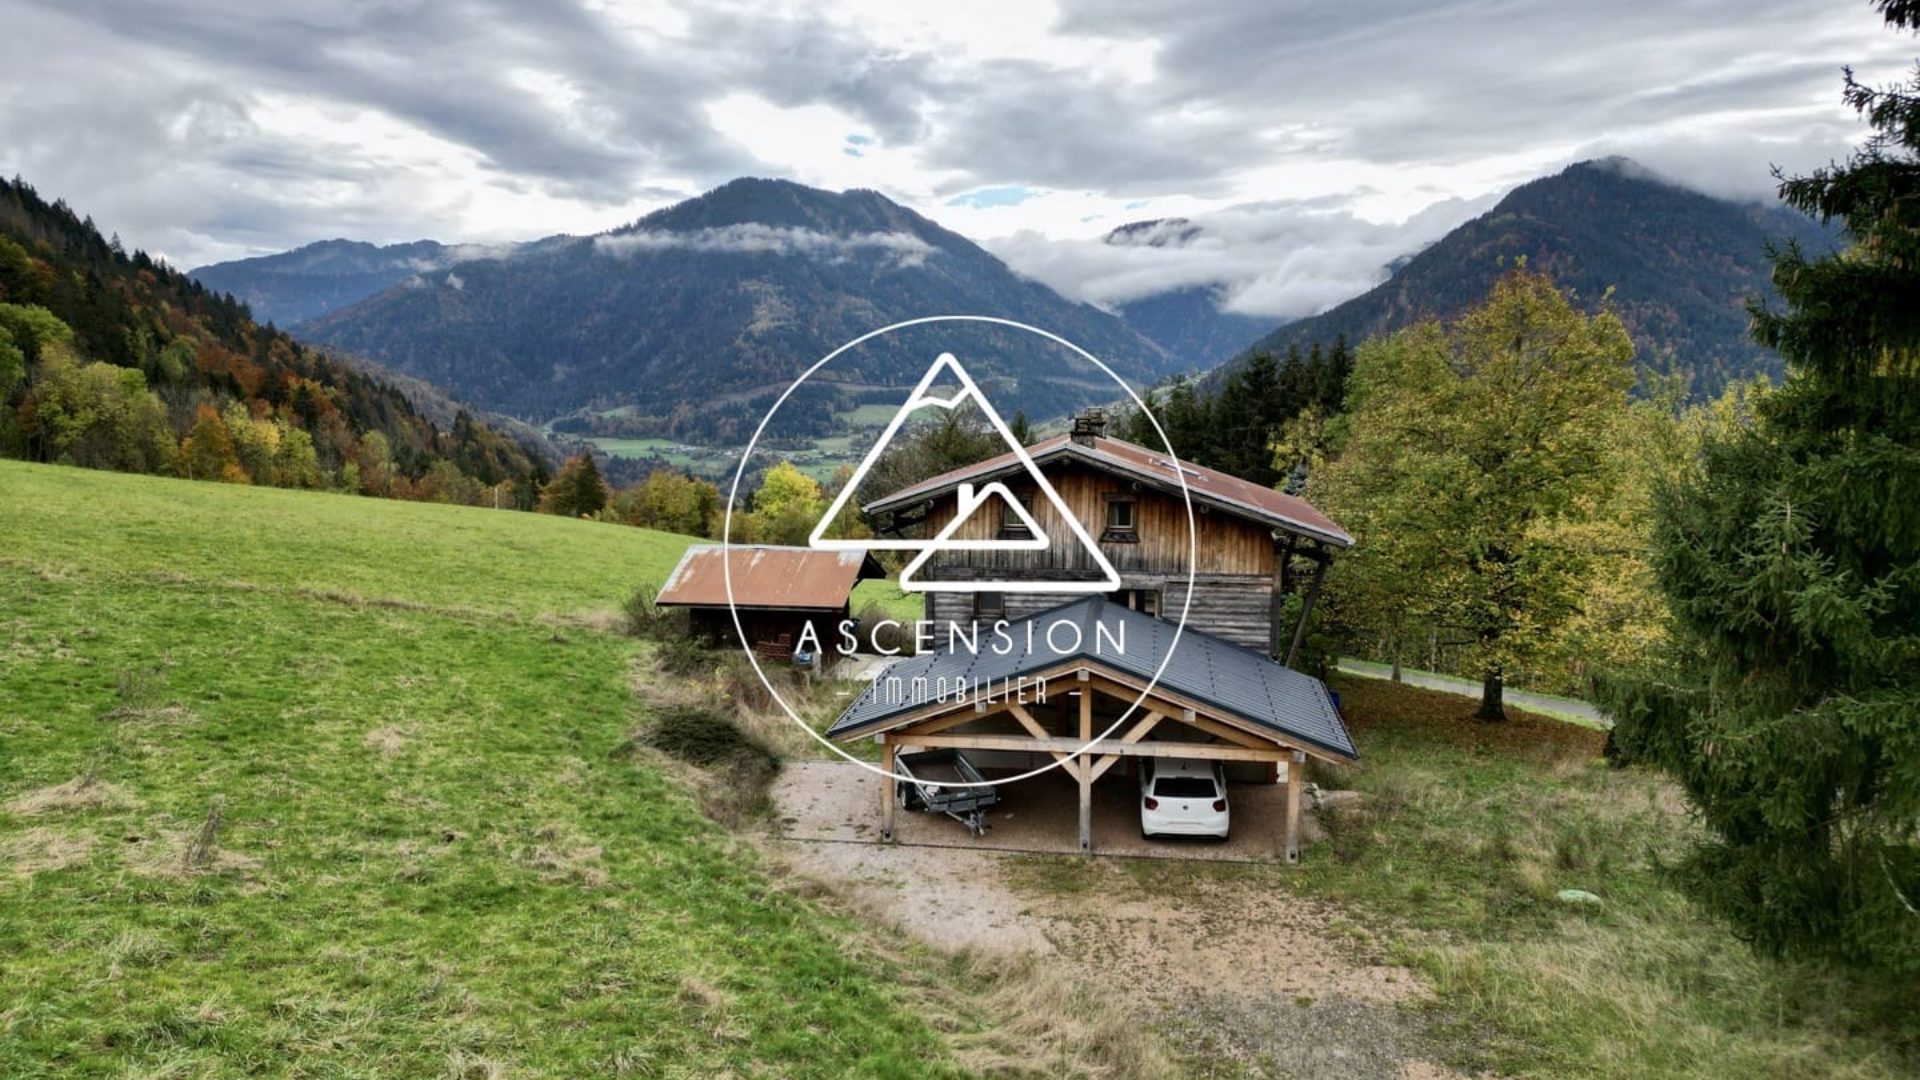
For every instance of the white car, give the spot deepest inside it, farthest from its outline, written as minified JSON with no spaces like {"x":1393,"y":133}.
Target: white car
{"x":1182,"y":798}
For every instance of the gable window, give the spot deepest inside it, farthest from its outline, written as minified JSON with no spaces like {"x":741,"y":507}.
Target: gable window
{"x":1122,"y":520}
{"x":989,"y":605}
{"x":1011,"y":527}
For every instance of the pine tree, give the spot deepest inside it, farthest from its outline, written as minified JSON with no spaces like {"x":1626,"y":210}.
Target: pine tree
{"x":577,"y":490}
{"x":1245,"y":417}
{"x":1790,"y":706}
{"x":1020,"y":427}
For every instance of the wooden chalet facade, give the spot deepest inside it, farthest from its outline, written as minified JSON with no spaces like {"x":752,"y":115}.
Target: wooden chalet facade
{"x":1248,"y":548}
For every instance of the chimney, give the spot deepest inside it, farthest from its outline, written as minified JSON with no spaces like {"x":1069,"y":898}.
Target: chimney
{"x":1090,"y":425}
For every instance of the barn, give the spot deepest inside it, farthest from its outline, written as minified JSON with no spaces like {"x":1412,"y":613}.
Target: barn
{"x":777,"y":592}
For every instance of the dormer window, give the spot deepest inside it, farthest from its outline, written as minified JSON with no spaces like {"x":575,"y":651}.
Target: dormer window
{"x":1122,"y":520}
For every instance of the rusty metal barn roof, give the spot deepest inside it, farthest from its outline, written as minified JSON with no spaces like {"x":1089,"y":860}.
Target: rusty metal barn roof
{"x":1236,"y":681}
{"x":767,"y":577}
{"x":1210,"y":486}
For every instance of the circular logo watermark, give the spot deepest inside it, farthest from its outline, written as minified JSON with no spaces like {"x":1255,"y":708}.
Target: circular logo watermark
{"x":945,"y":369}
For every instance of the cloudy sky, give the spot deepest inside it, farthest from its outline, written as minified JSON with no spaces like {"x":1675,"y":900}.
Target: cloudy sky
{"x":1316,"y":141}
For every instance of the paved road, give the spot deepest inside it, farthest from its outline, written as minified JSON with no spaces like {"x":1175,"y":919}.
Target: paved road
{"x":1540,"y":703}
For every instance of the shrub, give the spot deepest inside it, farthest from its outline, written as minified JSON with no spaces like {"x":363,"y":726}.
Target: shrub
{"x":738,"y":768}
{"x":880,"y":632}
{"x":678,"y":649}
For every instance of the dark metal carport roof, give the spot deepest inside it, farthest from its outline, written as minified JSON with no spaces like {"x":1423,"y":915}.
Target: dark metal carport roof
{"x":1236,"y":681}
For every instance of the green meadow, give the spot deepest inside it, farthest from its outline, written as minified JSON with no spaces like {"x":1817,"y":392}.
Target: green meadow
{"x":328,"y":786}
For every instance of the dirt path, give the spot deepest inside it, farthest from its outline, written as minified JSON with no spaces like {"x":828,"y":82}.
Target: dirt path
{"x":1243,"y":977}
{"x":950,"y":898}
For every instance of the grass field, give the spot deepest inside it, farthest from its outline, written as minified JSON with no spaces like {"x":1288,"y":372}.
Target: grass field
{"x":1464,"y":834}
{"x":1448,"y":858}
{"x":904,"y":606}
{"x":312,"y":785}
{"x":873,"y":415}
{"x":718,"y":463}
{"x":341,"y":546}
{"x":667,"y":450}
{"x":326,"y":786}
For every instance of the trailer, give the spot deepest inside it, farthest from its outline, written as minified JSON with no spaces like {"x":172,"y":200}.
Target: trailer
{"x":931,"y":778}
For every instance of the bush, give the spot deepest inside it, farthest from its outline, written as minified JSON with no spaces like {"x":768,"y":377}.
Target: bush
{"x":699,"y":737}
{"x":647,"y":620}
{"x":738,"y":768}
{"x":878,"y":638}
{"x":679,"y":650}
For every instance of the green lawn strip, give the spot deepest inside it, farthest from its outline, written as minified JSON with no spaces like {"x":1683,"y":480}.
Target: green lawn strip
{"x":904,"y":606}
{"x":341,"y":545}
{"x":1464,"y":835}
{"x":430,"y":859}
{"x":869,"y":415}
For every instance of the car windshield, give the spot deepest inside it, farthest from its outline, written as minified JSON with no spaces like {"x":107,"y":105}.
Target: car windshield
{"x":1183,"y":787}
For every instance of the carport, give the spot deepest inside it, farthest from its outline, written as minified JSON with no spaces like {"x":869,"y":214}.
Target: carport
{"x":1085,"y":669}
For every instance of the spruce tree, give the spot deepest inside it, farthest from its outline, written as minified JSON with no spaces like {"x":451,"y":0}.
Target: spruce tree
{"x":1790,"y":706}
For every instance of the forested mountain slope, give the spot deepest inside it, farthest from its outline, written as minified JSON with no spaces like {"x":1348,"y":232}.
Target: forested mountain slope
{"x":125,"y":363}
{"x":688,"y":321}
{"x":1680,"y":266}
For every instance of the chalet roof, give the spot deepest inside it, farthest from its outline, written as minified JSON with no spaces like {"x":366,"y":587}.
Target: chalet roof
{"x":1242,"y":498}
{"x":765,"y":576}
{"x":1236,"y":681}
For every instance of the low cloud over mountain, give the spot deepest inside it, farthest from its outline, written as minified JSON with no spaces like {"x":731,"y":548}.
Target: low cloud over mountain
{"x":1273,"y":260}
{"x":750,"y":238}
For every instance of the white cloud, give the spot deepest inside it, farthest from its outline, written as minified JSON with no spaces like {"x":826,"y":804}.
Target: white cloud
{"x":751,"y":238}
{"x":1282,"y":260}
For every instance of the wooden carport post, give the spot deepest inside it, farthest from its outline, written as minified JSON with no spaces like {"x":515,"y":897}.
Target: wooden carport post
{"x":1296,"y":779}
{"x":1084,"y":763}
{"x":889,"y":789}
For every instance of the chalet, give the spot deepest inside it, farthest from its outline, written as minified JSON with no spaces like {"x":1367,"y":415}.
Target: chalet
{"x":1249,"y":547}
{"x":1212,"y":688}
{"x":777,"y":592}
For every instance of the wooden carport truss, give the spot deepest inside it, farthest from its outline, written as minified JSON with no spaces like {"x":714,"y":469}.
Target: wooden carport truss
{"x":1231,"y":739}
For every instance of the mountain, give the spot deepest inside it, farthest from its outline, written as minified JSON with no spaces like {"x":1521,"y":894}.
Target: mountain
{"x":1681,"y":266}
{"x":690,"y":321}
{"x":1187,"y":322}
{"x":293,"y":286}
{"x":194,"y":349}
{"x":296,"y":285}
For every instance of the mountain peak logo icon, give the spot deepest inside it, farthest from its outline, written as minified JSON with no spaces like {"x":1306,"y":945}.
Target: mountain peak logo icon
{"x":947,"y":371}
